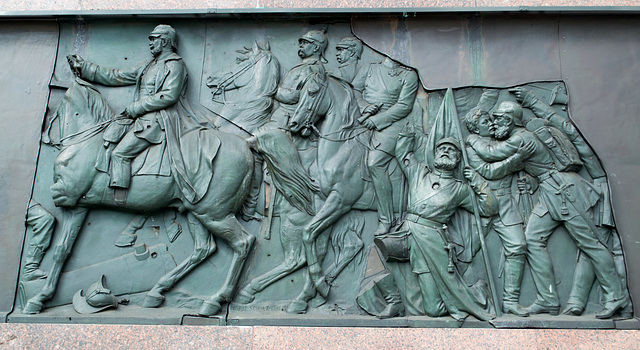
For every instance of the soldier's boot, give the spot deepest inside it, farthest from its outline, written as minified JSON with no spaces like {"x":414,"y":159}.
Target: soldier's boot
{"x":120,"y":173}
{"x":583,"y":279}
{"x":248,"y":210}
{"x":395,"y":307}
{"x":618,"y":259}
{"x":129,"y":235}
{"x":31,"y":270}
{"x":513,"y":271}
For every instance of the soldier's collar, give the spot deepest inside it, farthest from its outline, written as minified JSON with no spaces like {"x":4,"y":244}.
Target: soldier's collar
{"x":311,"y":60}
{"x":171,"y":57}
{"x":389,"y":63}
{"x":443,"y":175}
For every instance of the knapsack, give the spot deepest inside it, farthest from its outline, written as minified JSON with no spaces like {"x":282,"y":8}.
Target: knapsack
{"x":564,"y":152}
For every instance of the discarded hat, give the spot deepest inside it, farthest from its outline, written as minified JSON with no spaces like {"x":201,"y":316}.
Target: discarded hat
{"x":97,"y":298}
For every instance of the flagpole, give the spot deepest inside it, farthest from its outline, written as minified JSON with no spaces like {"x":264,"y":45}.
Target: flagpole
{"x":476,"y":215}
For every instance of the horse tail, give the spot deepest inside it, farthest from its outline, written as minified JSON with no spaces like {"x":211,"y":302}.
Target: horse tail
{"x":287,"y":171}
{"x":353,"y":221}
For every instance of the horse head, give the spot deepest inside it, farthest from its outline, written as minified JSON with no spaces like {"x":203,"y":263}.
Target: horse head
{"x":254,"y":67}
{"x":310,"y":105}
{"x":82,"y":110}
{"x":83,"y":114}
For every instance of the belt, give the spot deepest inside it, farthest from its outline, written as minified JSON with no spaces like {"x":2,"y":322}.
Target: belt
{"x":425,"y":222}
{"x":501,"y":192}
{"x":546,"y":176}
{"x":441,"y":229}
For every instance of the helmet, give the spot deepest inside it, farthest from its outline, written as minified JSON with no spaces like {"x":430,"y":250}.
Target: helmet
{"x":97,"y":298}
{"x":165,"y":31}
{"x":317,"y":37}
{"x":449,"y":140}
{"x":512,"y":108}
{"x":351,"y":43}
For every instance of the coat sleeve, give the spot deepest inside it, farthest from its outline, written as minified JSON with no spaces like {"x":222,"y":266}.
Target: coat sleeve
{"x":403,"y":107}
{"x":496,"y":170}
{"x":169,"y":93}
{"x":404,"y":153}
{"x":487,"y":202}
{"x":110,"y":76}
{"x":493,"y":151}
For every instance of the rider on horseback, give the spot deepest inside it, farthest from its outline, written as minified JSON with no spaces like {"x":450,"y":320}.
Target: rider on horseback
{"x":158,"y":107}
{"x":389,"y":91}
{"x":311,"y":51}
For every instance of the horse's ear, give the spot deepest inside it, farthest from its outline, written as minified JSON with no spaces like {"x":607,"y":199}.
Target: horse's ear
{"x":267,"y":46}
{"x":256,"y":46}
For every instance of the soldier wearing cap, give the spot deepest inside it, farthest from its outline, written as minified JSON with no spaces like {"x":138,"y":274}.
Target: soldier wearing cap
{"x":349,"y":51}
{"x":508,"y":224}
{"x":434,"y":196}
{"x":158,"y":102}
{"x":389,"y":92}
{"x":565,"y":198}
{"x":311,"y":47}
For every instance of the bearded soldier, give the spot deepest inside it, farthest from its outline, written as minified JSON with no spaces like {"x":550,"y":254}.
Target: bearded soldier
{"x":565,"y":198}
{"x":158,"y":108}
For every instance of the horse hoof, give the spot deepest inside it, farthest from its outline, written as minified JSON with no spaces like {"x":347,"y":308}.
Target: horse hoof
{"x":33,"y":307}
{"x":318,"y":301}
{"x":323,"y":287}
{"x":153,"y":299}
{"x":297,"y":307}
{"x":126,"y":240}
{"x":209,"y":308}
{"x":244,"y":297}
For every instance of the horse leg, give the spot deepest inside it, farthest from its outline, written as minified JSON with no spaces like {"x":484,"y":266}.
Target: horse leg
{"x":291,"y":240}
{"x":347,"y":243}
{"x":241,"y":242}
{"x":330,"y":212}
{"x":352,"y":245}
{"x":203,"y":246}
{"x":301,"y":302}
{"x":72,"y":220}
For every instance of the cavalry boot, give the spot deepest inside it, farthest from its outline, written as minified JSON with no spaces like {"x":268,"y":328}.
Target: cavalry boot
{"x":248,"y":210}
{"x":382,"y":229}
{"x":513,"y":271}
{"x":31,"y":270}
{"x":395,"y":307}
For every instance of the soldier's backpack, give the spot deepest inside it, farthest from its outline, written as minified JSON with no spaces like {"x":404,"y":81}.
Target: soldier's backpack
{"x":565,"y":154}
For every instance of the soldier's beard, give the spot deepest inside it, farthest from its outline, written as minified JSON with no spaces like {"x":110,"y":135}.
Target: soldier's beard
{"x":502,"y":132}
{"x":444,"y":163}
{"x":155,"y":51}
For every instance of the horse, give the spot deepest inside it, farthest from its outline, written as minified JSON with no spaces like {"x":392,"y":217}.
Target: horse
{"x":341,"y":161}
{"x":254,"y":78}
{"x":340,"y":165}
{"x":78,"y":186}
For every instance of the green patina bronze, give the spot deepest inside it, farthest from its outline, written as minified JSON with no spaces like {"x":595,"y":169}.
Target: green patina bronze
{"x":344,"y":192}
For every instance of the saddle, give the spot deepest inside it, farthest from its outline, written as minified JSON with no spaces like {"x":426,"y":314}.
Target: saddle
{"x":152,"y":161}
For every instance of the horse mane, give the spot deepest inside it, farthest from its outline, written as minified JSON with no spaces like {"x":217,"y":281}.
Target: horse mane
{"x":348,"y":107}
{"x":96,"y":105}
{"x":271,"y":77}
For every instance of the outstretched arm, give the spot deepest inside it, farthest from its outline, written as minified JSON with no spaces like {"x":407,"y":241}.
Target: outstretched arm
{"x":404,"y":153}
{"x":102,"y":75}
{"x":487,"y":203}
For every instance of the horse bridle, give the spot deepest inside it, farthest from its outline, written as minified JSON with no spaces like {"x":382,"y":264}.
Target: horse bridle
{"x":224,"y":83}
{"x":311,"y":111}
{"x":86,"y":133}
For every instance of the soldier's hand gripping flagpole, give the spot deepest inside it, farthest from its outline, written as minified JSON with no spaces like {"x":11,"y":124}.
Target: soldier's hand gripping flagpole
{"x":448,"y":119}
